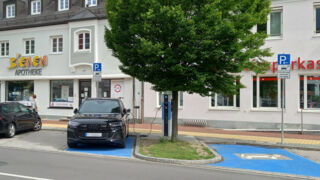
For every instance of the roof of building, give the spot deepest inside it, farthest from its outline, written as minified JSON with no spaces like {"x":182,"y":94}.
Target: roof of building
{"x":50,"y":15}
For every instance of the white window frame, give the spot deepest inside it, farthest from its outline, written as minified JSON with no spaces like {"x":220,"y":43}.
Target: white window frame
{"x":76,"y":40}
{"x":25,"y":47}
{"x":51,"y":40}
{"x":258,"y":93}
{"x":234,"y":107}
{"x":38,"y":5}
{"x":305,"y":93}
{"x":275,"y":9}
{"x":12,"y":13}
{"x":315,"y":7}
{"x":63,"y":8}
{"x":179,"y":96}
{"x":91,"y":4}
{"x":6,"y":47}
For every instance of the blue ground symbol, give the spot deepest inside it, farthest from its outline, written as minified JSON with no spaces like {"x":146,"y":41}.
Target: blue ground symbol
{"x":107,"y":150}
{"x":297,"y":165}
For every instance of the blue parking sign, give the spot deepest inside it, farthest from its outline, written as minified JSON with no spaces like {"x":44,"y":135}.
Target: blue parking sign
{"x":283,"y":59}
{"x":97,"y":66}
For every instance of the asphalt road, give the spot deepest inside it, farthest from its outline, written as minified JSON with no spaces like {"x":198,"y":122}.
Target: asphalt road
{"x":41,"y":156}
{"x":67,"y":166}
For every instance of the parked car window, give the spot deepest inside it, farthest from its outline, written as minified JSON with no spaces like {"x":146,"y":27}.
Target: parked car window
{"x":5,"y":108}
{"x":100,"y":106}
{"x":14,"y":108}
{"x":24,"y":109}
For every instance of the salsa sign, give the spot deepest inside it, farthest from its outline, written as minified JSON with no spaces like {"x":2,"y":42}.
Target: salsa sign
{"x":28,"y":65}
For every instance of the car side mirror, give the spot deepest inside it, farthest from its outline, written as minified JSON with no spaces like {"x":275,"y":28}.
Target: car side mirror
{"x":75,"y":110}
{"x":128,"y":110}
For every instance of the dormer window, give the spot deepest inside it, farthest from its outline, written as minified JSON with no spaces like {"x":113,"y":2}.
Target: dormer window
{"x":90,"y":3}
{"x":11,"y":11}
{"x":63,"y":5}
{"x":35,"y":7}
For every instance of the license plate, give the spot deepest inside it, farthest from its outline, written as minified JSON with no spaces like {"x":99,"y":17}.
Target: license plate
{"x":93,"y":134}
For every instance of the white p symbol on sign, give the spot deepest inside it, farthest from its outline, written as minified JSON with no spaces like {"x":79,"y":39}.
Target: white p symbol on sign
{"x":283,"y":59}
{"x":96,"y":66}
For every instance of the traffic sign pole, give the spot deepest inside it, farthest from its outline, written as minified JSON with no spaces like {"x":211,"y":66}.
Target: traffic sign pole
{"x":282,"y":106}
{"x":284,"y":65}
{"x":97,"y":67}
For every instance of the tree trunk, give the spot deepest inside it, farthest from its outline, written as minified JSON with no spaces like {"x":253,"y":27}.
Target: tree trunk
{"x":174,"y":115}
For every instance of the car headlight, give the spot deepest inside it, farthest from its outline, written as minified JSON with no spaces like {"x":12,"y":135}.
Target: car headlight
{"x":115,"y":124}
{"x":73,"y":124}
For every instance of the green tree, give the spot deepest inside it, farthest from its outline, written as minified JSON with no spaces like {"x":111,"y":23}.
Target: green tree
{"x":187,"y":45}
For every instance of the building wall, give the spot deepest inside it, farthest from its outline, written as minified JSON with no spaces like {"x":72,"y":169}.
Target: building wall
{"x":299,"y":40}
{"x":67,"y":65}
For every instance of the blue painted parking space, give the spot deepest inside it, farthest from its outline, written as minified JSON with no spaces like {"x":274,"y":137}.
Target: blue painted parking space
{"x":107,"y":150}
{"x":295,"y":164}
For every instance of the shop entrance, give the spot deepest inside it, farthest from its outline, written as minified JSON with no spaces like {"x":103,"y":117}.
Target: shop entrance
{"x":84,"y":90}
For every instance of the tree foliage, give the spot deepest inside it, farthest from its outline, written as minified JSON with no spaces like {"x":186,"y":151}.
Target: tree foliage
{"x":187,"y":45}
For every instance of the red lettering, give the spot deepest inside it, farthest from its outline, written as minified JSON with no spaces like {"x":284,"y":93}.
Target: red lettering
{"x":310,"y":64}
{"x":300,"y":64}
{"x":274,"y":66}
{"x":292,"y":64}
{"x":318,"y":63}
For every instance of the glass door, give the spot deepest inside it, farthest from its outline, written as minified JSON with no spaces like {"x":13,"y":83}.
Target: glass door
{"x":84,"y":90}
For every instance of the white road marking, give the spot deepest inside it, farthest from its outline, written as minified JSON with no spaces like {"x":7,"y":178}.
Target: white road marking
{"x":23,"y":177}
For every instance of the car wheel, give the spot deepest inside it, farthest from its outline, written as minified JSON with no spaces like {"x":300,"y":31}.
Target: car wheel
{"x":11,"y":130}
{"x":72,"y":145}
{"x":37,"y":125}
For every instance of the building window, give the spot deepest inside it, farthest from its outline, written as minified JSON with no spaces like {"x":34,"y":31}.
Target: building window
{"x":4,"y":49}
{"x":83,"y":41}
{"x":29,"y":46}
{"x":310,"y":92}
{"x":223,"y":100}
{"x":104,"y":89}
{"x":57,"y":44}
{"x":317,"y":20}
{"x":35,"y":7}
{"x":63,"y":5}
{"x":90,"y":3}
{"x":266,"y":92}
{"x":276,"y":23}
{"x":61,"y":93}
{"x":11,"y":11}
{"x":19,"y":90}
{"x":160,"y":98}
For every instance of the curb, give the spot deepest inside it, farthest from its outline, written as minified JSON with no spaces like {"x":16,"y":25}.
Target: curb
{"x":264,"y":144}
{"x":44,"y":127}
{"x":216,"y":159}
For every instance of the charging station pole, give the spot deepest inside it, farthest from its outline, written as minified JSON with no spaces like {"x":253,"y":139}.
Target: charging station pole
{"x":166,"y":109}
{"x":166,"y":116}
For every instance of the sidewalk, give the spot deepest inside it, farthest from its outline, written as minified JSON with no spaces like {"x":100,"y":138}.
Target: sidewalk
{"x":211,"y":134}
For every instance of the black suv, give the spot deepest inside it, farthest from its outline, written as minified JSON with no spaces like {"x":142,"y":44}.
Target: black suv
{"x":99,"y":120}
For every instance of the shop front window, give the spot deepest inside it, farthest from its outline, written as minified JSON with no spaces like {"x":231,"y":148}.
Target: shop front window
{"x":104,"y":88}
{"x":266,"y":92}
{"x":61,"y":93}
{"x":310,"y":86}
{"x":20,"y":91}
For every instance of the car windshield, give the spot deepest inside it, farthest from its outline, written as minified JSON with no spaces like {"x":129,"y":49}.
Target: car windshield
{"x":100,"y":106}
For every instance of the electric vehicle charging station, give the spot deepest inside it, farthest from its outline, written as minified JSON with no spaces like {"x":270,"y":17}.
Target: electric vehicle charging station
{"x":166,"y":115}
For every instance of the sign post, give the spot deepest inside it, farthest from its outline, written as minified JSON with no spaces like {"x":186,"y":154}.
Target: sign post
{"x":97,"y":67}
{"x":283,"y":74}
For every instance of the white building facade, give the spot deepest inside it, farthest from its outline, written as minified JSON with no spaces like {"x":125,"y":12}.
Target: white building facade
{"x":48,"y":48}
{"x":293,"y":28}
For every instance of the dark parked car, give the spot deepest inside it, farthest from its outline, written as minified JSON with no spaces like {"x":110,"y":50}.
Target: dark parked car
{"x":99,"y":120}
{"x":17,"y":117}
